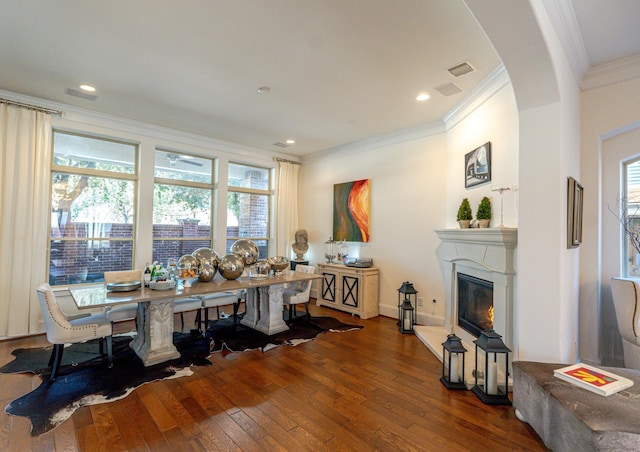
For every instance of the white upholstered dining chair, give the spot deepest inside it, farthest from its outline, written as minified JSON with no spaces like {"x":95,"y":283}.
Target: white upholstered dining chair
{"x":125,"y":311}
{"x":299,"y":292}
{"x":626,"y":301}
{"x":182,"y":305}
{"x":61,"y":331}
{"x":215,"y":300}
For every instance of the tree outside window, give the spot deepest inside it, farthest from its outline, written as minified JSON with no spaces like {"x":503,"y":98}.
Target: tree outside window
{"x":182,"y":204}
{"x":93,"y":183}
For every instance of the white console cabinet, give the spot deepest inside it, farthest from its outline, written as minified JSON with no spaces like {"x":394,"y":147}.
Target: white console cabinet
{"x":349,"y":289}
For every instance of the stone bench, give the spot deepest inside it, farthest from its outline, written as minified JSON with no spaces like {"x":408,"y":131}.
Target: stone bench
{"x":570,"y":418}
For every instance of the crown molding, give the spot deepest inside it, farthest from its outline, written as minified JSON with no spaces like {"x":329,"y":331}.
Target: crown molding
{"x":400,"y":136}
{"x":489,"y":86}
{"x":81,"y":116}
{"x":613,"y":72}
{"x":565,"y":24}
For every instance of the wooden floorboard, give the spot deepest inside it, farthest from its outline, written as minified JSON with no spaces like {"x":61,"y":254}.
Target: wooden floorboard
{"x":370,"y":389}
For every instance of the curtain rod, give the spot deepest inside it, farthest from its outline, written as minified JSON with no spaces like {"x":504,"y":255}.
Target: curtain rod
{"x":287,"y":161}
{"x":32,"y":107}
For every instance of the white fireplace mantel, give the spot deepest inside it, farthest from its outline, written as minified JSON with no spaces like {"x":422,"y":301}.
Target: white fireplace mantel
{"x":486,"y":253}
{"x":489,"y":254}
{"x":492,"y":248}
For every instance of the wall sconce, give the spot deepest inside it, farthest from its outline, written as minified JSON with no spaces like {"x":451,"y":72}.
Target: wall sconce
{"x":406,"y":312}
{"x":495,"y":388}
{"x":453,"y":363}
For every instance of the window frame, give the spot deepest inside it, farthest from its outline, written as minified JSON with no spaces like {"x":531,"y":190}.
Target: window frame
{"x":269,"y":193}
{"x":211,"y":186}
{"x":94,"y":173}
{"x":629,"y":214}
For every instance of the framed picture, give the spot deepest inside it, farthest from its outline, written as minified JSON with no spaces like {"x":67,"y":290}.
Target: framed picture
{"x":351,"y":211}
{"x":574,"y":213}
{"x":477,"y":166}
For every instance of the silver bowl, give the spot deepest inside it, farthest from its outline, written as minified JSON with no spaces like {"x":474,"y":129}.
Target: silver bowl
{"x":278,"y":264}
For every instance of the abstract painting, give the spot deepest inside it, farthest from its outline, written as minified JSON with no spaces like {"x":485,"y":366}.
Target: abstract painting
{"x":477,"y":166}
{"x":351,"y":211}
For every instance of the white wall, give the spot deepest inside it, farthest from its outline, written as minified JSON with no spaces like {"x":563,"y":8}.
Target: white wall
{"x":417,"y":185}
{"x":408,"y":202}
{"x":549,"y":154}
{"x":547,"y":98}
{"x":494,"y":119}
{"x":608,"y":112}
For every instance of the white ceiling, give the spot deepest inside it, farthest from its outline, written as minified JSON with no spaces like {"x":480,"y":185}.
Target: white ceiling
{"x":340,"y":71}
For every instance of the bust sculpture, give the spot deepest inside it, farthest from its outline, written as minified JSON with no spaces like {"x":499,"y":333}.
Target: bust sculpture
{"x":301,"y":245}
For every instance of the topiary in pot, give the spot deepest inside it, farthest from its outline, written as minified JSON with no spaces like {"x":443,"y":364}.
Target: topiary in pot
{"x":464,"y":214}
{"x":483,"y":215}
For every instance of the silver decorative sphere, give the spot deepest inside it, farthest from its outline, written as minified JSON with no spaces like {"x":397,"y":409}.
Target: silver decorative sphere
{"x":247,"y":250}
{"x":207,"y":272}
{"x":188,"y":262}
{"x":263,"y":267}
{"x":231,"y":266}
{"x":206,"y":256}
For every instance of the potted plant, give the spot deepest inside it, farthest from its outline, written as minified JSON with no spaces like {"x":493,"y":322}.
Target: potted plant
{"x":483,"y":215}
{"x":464,"y":214}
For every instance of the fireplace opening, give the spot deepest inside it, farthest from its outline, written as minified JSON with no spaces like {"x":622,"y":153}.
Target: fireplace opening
{"x":475,"y":304}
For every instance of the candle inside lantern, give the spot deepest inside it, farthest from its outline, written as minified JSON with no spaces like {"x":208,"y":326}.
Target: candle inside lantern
{"x":454,"y":372}
{"x":491,"y":386}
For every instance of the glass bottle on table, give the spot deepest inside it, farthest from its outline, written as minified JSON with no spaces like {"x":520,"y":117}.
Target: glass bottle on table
{"x":147,"y":275}
{"x":173,"y":268}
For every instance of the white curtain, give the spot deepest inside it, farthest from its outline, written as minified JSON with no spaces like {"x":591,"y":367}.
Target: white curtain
{"x":25,"y":161}
{"x":286,"y":222}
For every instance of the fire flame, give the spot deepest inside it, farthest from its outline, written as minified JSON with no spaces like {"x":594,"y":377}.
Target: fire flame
{"x":490,"y":315}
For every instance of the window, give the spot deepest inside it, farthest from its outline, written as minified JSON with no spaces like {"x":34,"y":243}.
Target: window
{"x":249,"y":206}
{"x":631,"y":202}
{"x":182,"y":205}
{"x":93,"y":182}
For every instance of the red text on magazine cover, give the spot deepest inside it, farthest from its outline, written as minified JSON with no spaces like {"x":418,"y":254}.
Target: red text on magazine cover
{"x":590,"y":376}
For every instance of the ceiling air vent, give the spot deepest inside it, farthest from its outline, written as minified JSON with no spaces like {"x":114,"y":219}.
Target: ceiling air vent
{"x":460,"y":69}
{"x":80,"y":94}
{"x":448,"y":89}
{"x":281,"y":145}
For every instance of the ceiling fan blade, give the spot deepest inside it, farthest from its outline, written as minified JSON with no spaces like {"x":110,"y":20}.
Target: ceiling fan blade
{"x":190,"y":162}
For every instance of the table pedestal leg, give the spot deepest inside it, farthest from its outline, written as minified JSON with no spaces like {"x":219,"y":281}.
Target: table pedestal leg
{"x":154,"y":341}
{"x":251,"y":305}
{"x":271,"y":321}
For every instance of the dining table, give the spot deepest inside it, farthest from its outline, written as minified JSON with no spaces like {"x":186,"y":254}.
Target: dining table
{"x":153,"y":342}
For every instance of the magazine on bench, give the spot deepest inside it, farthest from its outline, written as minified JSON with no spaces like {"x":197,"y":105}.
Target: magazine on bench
{"x":593,"y":379}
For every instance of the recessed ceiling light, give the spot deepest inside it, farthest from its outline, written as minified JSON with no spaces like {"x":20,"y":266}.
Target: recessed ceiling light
{"x":88,"y":88}
{"x":422,"y":97}
{"x":263,"y":90}
{"x":290,"y":141}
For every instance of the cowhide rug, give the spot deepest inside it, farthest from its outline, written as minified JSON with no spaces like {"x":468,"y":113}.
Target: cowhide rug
{"x":227,"y":337}
{"x":84,"y":378}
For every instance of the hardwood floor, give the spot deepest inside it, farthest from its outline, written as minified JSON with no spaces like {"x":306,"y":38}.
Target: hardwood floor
{"x":373,"y":389}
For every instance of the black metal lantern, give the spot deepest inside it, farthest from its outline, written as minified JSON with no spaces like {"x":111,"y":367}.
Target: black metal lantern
{"x":494,"y":389}
{"x":406,"y":312}
{"x":453,"y":363}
